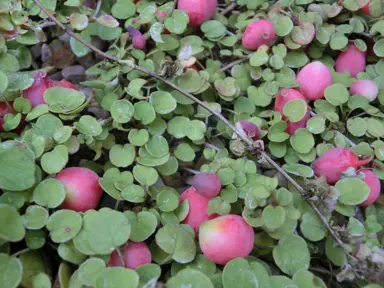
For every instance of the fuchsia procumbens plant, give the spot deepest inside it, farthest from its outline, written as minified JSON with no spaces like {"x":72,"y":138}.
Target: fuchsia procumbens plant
{"x":138,"y":40}
{"x":199,"y":11}
{"x":207,"y":184}
{"x":351,"y":60}
{"x":35,"y":93}
{"x":134,"y":255}
{"x":284,"y":96}
{"x":198,"y":208}
{"x":336,"y":160}
{"x":314,"y":78}
{"x":226,"y":238}
{"x":365,"y":88}
{"x":82,"y":187}
{"x":258,"y":33}
{"x":374,"y":186}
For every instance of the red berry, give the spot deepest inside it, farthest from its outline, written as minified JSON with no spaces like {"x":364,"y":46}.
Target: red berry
{"x":207,"y":184}
{"x":259,"y":32}
{"x":199,"y":11}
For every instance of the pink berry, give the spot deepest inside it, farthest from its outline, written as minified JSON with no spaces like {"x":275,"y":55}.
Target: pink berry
{"x":284,"y":96}
{"x":225,"y":238}
{"x":374,"y":186}
{"x":351,"y":60}
{"x":83,"y":189}
{"x":207,"y":184}
{"x":134,"y":254}
{"x":138,"y":40}
{"x":314,"y":78}
{"x":259,"y":32}
{"x":198,"y":209}
{"x":365,"y":88}
{"x":335,"y":161}
{"x":199,"y":11}
{"x":365,"y":9}
{"x":35,"y":93}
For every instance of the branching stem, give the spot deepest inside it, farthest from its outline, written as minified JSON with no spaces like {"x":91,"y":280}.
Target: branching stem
{"x":239,"y":133}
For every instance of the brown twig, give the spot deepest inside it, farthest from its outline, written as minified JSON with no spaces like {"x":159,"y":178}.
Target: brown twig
{"x":98,"y":7}
{"x":234,"y":63}
{"x":239,"y":133}
{"x":228,"y":9}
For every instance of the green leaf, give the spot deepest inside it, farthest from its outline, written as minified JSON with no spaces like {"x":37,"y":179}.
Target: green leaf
{"x":295,"y":110}
{"x":189,"y":278}
{"x":117,"y":277}
{"x":54,"y":161}
{"x":213,"y":29}
{"x":302,"y":141}
{"x":90,"y":270}
{"x":68,"y":252}
{"x":143,"y":225}
{"x":162,"y":102}
{"x":334,"y":252}
{"x":291,"y":254}
{"x":184,"y":152}
{"x":304,"y":279}
{"x":78,"y":21}
{"x":11,"y":224}
{"x":168,"y":199}
{"x":336,"y":94}
{"x":122,"y":111}
{"x":353,"y":191}
{"x":41,"y":280}
{"x":274,"y":217}
{"x":88,"y":125}
{"x":122,"y":156}
{"x":299,"y":170}
{"x":311,"y":227}
{"x":11,"y":271}
{"x":35,"y":217}
{"x":242,"y":274}
{"x":49,"y":193}
{"x":33,"y":264}
{"x":176,"y":241}
{"x":145,"y":175}
{"x":123,"y":9}
{"x":64,"y":225}
{"x":18,"y":166}
{"x":114,"y":227}
{"x":177,"y":23}
{"x":133,"y":193}
{"x":157,"y":146}
{"x":107,"y":21}
{"x":63,"y":100}
{"x":3,"y":81}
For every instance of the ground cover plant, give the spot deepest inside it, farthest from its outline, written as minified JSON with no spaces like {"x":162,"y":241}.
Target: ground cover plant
{"x":191,"y":143}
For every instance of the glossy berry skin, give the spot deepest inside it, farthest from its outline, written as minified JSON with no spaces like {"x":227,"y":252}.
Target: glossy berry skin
{"x":365,"y":88}
{"x":134,"y":254}
{"x":365,"y":9}
{"x":335,"y":161}
{"x":138,"y":40}
{"x":82,"y":187}
{"x":284,"y":96}
{"x":198,"y":209}
{"x":35,"y":93}
{"x":259,"y":32}
{"x":374,"y":185}
{"x":226,"y":238}
{"x":207,"y":184}
{"x":314,"y":78}
{"x":199,"y":11}
{"x":351,"y":60}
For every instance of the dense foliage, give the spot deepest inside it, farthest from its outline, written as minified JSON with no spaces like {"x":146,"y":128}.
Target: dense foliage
{"x":191,"y":143}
